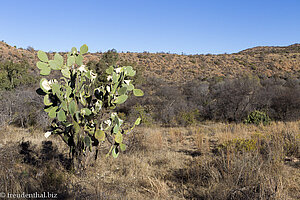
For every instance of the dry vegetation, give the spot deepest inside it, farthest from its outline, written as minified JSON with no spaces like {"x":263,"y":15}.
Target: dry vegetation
{"x":210,"y":161}
{"x":261,"y":61}
{"x":204,"y":160}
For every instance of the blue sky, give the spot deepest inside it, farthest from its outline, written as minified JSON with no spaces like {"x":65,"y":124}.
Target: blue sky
{"x":188,"y":26}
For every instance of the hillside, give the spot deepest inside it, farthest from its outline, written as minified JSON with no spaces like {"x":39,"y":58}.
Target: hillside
{"x":261,"y":61}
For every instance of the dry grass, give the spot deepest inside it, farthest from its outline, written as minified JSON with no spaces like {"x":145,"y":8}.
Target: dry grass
{"x":211,"y":161}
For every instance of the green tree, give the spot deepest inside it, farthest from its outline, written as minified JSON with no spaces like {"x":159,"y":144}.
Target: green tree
{"x":13,"y":75}
{"x":111,"y":58}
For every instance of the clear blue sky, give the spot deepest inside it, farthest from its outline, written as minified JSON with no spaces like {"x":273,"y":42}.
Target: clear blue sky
{"x":189,"y":26}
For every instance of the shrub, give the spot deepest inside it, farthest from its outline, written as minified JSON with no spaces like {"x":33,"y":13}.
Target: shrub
{"x":13,"y":75}
{"x":109,"y":58}
{"x":187,"y":118}
{"x":239,"y":145}
{"x":144,"y":115}
{"x":258,"y":117}
{"x":230,"y":100}
{"x":22,"y":107}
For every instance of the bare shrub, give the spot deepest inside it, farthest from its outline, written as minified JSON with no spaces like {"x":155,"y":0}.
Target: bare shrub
{"x":22,"y":107}
{"x":232,"y":98}
{"x":224,"y":100}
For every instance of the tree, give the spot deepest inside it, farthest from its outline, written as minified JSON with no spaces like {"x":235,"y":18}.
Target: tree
{"x":14,"y":74}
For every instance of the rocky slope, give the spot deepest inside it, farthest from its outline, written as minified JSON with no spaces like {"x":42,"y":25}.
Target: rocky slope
{"x":260,"y":61}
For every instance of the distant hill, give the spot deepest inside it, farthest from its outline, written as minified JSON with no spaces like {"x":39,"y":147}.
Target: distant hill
{"x":260,"y":61}
{"x":295,"y":48}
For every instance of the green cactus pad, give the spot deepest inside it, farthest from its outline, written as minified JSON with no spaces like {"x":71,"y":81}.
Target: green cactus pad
{"x":74,"y":50}
{"x":109,"y":70}
{"x":121,"y":99}
{"x":122,"y":90}
{"x":78,"y":60}
{"x":116,"y":128}
{"x":115,"y":77}
{"x":42,"y":56}
{"x":47,"y":101}
{"x":137,"y":121}
{"x":86,"y":111}
{"x":61,"y":116}
{"x":64,"y":105}
{"x":115,"y":152}
{"x":52,"y":112}
{"x":54,"y":65}
{"x":138,"y":92}
{"x":66,"y":72}
{"x":70,"y":61}
{"x":68,"y":91}
{"x":87,"y":141}
{"x":130,"y":87}
{"x":119,"y":137}
{"x":59,"y":60}
{"x":55,"y":88}
{"x":131,"y":73}
{"x":45,"y":71}
{"x":76,"y":127}
{"x":122,"y":147}
{"x":41,"y":65}
{"x":72,"y":107}
{"x":100,"y":135}
{"x":47,"y":109}
{"x":84,"y":49}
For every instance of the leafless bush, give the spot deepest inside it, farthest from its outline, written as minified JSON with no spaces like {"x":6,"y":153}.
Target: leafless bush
{"x":222,"y":100}
{"x":22,"y":107}
{"x":232,"y":99}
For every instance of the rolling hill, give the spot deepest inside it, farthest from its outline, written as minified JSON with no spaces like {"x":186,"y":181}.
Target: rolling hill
{"x":260,"y":61}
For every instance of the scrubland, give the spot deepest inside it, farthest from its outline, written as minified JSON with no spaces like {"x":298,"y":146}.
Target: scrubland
{"x":207,"y":161}
{"x":193,"y":142}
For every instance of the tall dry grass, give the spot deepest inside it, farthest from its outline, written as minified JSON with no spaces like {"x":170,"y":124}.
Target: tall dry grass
{"x":210,"y":161}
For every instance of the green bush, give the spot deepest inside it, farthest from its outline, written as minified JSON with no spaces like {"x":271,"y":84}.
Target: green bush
{"x":13,"y":75}
{"x":187,"y":118}
{"x":111,"y":58}
{"x":257,"y":117}
{"x":143,"y":114}
{"x":238,"y":145}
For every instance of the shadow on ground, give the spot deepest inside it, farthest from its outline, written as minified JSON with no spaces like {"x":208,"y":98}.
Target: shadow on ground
{"x":37,"y":157}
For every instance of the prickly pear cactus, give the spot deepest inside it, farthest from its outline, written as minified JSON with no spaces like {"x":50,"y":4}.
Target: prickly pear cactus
{"x":84,"y":116}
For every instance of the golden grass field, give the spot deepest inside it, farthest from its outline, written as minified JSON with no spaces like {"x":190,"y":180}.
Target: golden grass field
{"x":208,"y":161}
